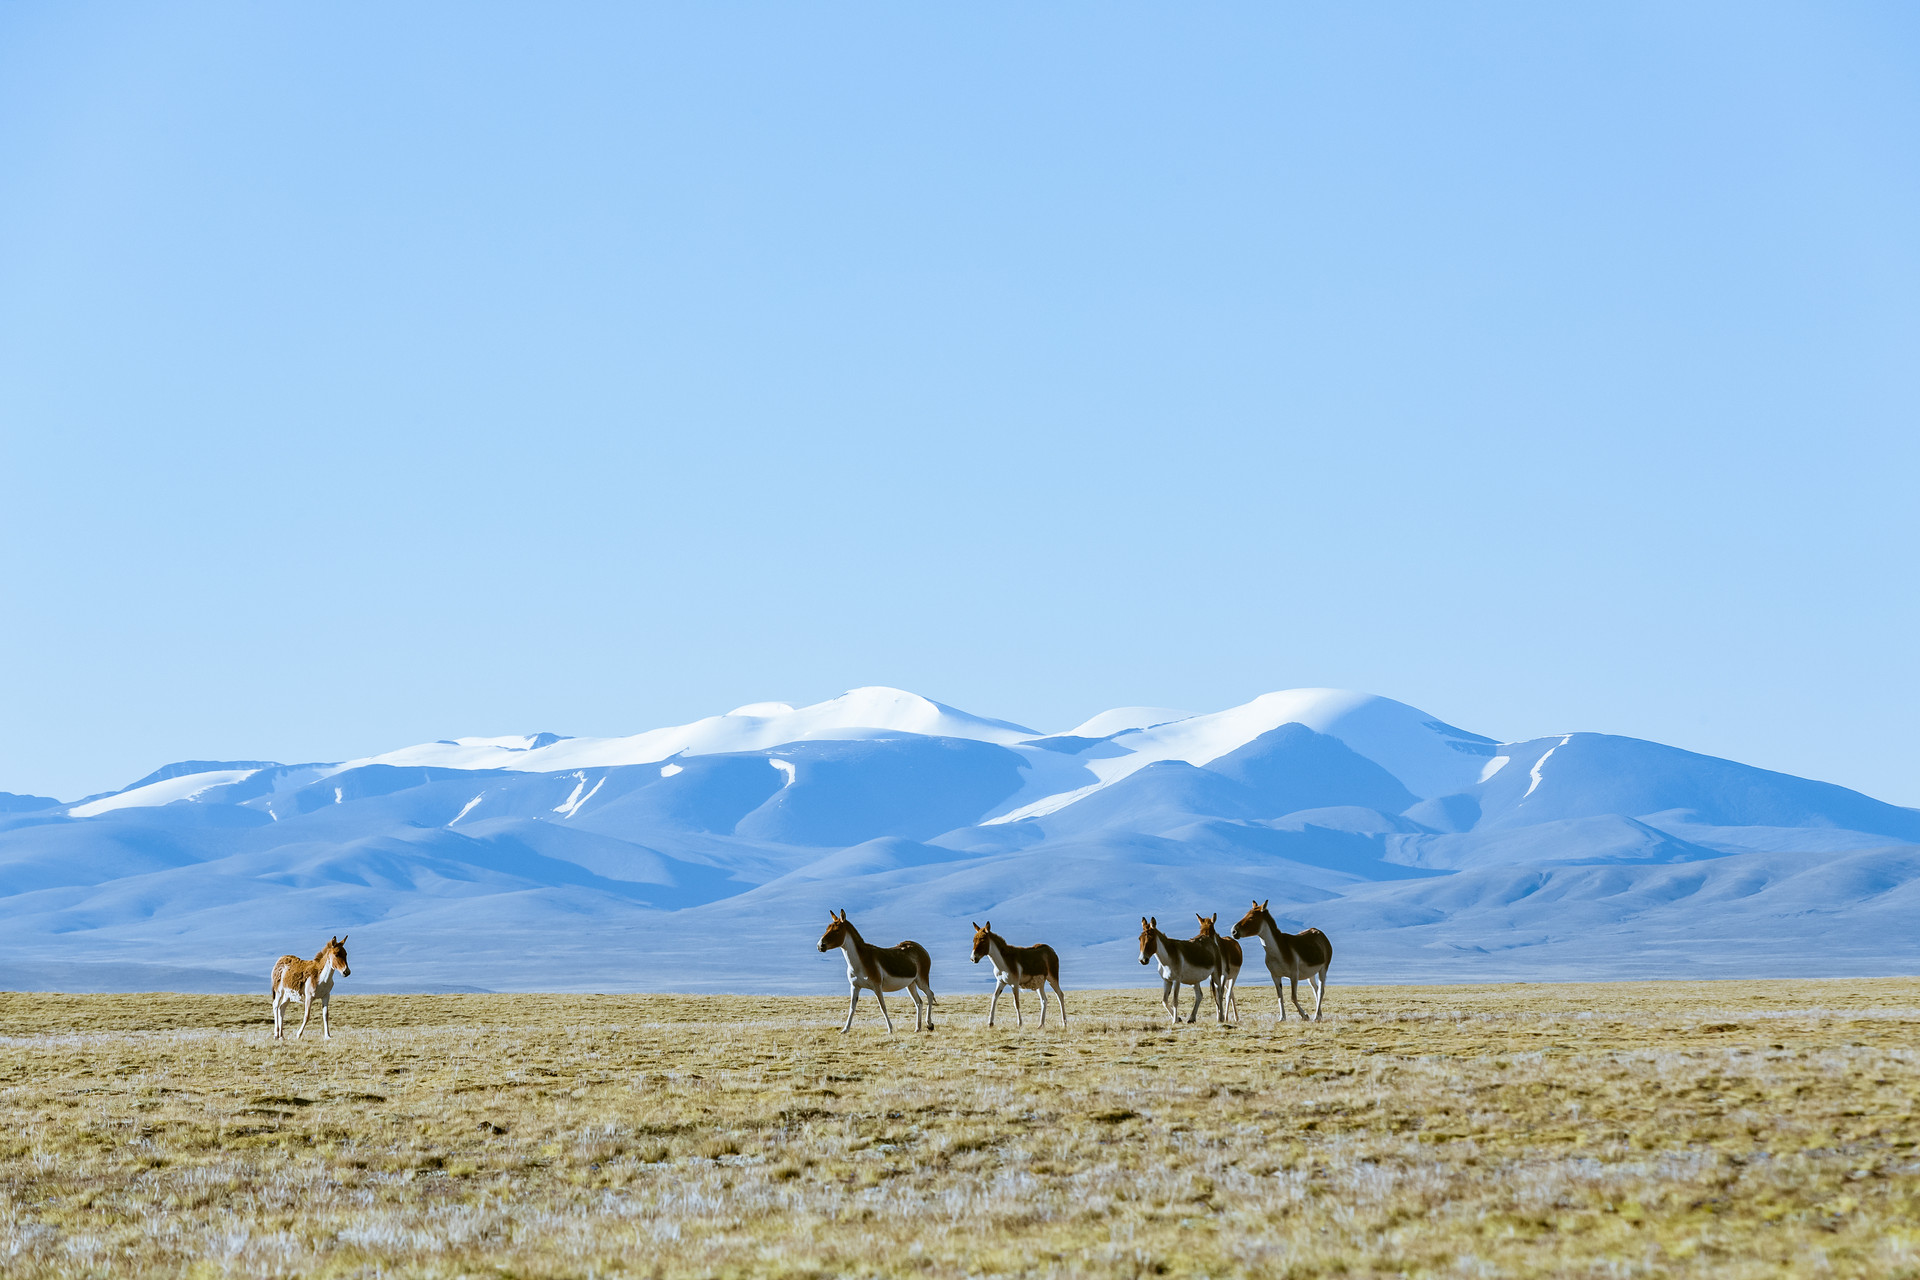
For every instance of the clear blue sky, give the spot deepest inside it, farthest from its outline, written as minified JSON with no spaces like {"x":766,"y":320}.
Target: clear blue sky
{"x":372,"y":374}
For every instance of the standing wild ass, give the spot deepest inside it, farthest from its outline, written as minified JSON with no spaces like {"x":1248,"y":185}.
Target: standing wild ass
{"x":1017,"y":967}
{"x":880,"y":970}
{"x":1231,"y":958}
{"x":1182,"y":961}
{"x":302,"y":980}
{"x":1291,"y":956}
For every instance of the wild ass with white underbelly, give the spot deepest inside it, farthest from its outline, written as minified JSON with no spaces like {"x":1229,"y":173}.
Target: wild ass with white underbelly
{"x":1030,"y":967}
{"x":304,"y":980}
{"x":1231,"y":957}
{"x":1290,"y":956}
{"x":880,"y":970}
{"x":1182,"y":961}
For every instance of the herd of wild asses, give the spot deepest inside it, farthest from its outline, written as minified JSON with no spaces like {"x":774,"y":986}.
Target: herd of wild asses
{"x":1208,"y":957}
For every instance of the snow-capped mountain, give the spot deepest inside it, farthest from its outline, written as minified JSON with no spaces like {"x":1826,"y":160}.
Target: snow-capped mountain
{"x":543,"y":861}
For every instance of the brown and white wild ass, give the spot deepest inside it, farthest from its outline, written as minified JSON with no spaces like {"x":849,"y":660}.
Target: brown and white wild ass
{"x":1290,"y":956}
{"x":1030,"y":967}
{"x":1230,"y":959}
{"x":1182,"y":961}
{"x":303,"y":980}
{"x":880,"y":970}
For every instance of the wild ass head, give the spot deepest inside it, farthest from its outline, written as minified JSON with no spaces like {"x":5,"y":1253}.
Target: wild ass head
{"x":336,"y":952}
{"x":1149,"y":938}
{"x":1250,"y":922}
{"x":1207,"y":931}
{"x":981,"y":932}
{"x":836,"y":933}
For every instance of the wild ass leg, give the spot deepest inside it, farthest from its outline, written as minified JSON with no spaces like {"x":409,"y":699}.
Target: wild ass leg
{"x":881,"y":996}
{"x":1057,"y":996}
{"x":1169,"y":990}
{"x":852,"y":1000}
{"x":326,"y":1032}
{"x":1296,"y":997}
{"x":1195,"y":1015}
{"x":1019,"y":1018}
{"x":1319,"y":981}
{"x":1280,"y":990}
{"x":927,"y":987}
{"x":306,"y":1011}
{"x":998,"y":987}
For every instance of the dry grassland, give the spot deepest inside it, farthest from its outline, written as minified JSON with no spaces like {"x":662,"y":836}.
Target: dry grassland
{"x":1727,"y":1129}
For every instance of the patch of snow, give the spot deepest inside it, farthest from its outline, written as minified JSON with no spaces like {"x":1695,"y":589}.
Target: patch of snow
{"x":339,"y":795}
{"x":1541,"y":762}
{"x":668,"y":770}
{"x":468,"y":809}
{"x":859,"y":713}
{"x":761,"y":710}
{"x":1494,"y":766}
{"x":573,"y":807}
{"x":784,"y":766}
{"x":1120,"y":719}
{"x":505,"y":742}
{"x":167,"y":791}
{"x":1427,"y":757}
{"x":566,"y":806}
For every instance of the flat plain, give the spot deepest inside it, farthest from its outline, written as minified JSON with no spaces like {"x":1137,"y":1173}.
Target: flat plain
{"x":1664,"y":1129}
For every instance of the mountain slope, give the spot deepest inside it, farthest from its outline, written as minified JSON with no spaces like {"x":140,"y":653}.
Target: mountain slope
{"x":536,"y":860}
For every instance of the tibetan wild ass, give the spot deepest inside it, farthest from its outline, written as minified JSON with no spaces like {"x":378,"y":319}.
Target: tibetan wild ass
{"x":1017,"y":967}
{"x":1290,"y":956}
{"x":1230,"y":959}
{"x":880,"y":970}
{"x":303,"y":980}
{"x":1182,"y":962}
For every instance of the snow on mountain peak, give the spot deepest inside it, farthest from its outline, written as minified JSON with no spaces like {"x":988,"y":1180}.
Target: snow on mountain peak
{"x":1429,"y":757}
{"x":858,"y":713}
{"x":1120,"y":719}
{"x":509,"y":742}
{"x":179,"y":787}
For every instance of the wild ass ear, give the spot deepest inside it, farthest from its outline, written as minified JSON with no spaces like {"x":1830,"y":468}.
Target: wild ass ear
{"x":343,"y":939}
{"x":975,"y":924}
{"x":333,"y":942}
{"x":1263,"y":906}
{"x":989,"y":926}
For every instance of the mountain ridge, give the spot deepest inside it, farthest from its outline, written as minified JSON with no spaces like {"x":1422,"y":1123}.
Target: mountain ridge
{"x":1434,"y":851}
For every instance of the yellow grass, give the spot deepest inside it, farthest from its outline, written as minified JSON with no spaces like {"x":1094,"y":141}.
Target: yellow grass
{"x":1737,"y":1129}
